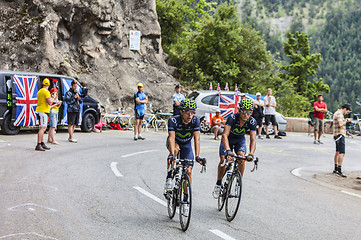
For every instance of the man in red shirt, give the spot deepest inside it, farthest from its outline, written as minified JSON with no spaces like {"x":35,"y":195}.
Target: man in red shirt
{"x":216,"y":123}
{"x":319,"y":114}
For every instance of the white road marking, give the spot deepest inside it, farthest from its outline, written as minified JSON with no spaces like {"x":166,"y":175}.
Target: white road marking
{"x":30,"y":205}
{"x":131,"y":154}
{"x":115,"y":170}
{"x":2,"y":141}
{"x":29,"y":233}
{"x":151,"y":196}
{"x":296,"y":172}
{"x":221,"y":234}
{"x":352,"y":194}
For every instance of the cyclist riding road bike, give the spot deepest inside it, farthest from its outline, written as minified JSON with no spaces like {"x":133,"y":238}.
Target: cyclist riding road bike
{"x":181,"y":129}
{"x":233,"y":138}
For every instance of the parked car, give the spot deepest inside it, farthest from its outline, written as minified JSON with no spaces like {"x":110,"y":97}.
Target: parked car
{"x":18,"y":101}
{"x":207,"y":102}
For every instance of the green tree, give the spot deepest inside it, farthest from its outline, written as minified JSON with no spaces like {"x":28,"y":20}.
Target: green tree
{"x":177,"y":16}
{"x":299,"y":81}
{"x":221,"y":49}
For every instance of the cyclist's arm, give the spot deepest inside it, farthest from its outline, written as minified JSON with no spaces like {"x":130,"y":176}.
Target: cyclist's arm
{"x":225,"y":135}
{"x":197,"y":142}
{"x":171,"y":142}
{"x":252,"y":145}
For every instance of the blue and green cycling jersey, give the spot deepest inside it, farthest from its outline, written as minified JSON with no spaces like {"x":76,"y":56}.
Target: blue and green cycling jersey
{"x":238,"y":131}
{"x":183,"y":132}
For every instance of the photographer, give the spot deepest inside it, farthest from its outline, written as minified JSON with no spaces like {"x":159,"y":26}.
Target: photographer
{"x":73,"y":100}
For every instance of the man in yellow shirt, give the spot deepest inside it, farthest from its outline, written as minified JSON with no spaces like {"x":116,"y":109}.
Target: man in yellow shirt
{"x":42,"y":110}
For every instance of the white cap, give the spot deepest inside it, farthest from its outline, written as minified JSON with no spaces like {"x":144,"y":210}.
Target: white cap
{"x":258,"y":94}
{"x":243,"y":94}
{"x":218,"y":110}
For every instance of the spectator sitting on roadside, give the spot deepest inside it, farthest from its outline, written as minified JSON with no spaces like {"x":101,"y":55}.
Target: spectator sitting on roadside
{"x":319,"y":114}
{"x":243,"y":96}
{"x":216,"y":124}
{"x":258,"y":113}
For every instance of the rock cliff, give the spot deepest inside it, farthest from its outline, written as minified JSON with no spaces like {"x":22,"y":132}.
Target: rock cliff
{"x":89,"y":39}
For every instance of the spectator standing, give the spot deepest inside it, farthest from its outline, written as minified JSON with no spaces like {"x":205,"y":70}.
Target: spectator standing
{"x":216,"y":124}
{"x":319,"y":114}
{"x":140,"y":99}
{"x":258,"y":113}
{"x":270,"y":112}
{"x":177,"y":99}
{"x":339,"y":133}
{"x":42,"y":111}
{"x":53,"y":115}
{"x":72,"y":98}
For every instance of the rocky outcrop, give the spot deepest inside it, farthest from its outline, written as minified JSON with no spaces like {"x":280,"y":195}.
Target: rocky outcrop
{"x":88,"y":39}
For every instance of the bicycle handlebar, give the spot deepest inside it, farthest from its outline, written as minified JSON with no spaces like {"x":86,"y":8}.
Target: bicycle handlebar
{"x":239,"y":157}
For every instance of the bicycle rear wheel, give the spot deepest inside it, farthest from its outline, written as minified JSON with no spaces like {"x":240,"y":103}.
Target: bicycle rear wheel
{"x":223,"y":193}
{"x":171,"y":204}
{"x":185,"y":199}
{"x":234,"y":193}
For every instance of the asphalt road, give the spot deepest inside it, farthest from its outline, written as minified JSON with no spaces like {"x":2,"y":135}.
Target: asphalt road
{"x":107,"y":186}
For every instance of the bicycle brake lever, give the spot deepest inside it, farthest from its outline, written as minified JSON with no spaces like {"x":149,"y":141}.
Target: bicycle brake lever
{"x":255,"y":166}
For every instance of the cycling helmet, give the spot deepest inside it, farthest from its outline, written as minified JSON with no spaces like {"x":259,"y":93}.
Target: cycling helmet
{"x":246,"y":104}
{"x":188,"y":104}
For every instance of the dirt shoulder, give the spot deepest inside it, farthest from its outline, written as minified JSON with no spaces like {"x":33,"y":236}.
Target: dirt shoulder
{"x":353,"y":180}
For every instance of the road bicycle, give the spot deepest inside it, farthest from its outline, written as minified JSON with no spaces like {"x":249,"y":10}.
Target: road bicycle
{"x":151,"y":121}
{"x":231,"y":187}
{"x":181,"y":194}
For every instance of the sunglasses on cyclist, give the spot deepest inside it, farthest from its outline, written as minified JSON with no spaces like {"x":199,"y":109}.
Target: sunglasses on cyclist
{"x":189,"y":111}
{"x":246,"y":112}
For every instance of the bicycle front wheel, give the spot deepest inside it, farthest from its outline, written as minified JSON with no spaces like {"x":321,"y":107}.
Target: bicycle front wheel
{"x":185,"y":200}
{"x":234,"y":193}
{"x":171,"y":204}
{"x":223,"y":193}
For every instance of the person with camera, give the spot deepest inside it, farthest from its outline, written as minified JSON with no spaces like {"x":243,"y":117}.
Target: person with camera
{"x":73,"y":100}
{"x":53,"y":115}
{"x":339,"y":133}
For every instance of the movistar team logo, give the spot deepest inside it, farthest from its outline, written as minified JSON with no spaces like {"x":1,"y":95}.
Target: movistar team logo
{"x":188,"y":134}
{"x":236,"y":130}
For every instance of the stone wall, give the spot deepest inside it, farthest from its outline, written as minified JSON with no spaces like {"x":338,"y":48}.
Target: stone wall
{"x":89,"y":40}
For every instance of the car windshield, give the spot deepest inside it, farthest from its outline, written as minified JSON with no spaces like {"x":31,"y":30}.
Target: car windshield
{"x":193,"y":95}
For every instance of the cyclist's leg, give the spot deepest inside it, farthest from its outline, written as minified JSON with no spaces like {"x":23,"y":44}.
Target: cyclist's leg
{"x":186,"y":152}
{"x":221,"y":165}
{"x":241,"y":149}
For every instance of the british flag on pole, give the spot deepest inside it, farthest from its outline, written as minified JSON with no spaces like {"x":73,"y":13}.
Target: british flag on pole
{"x":228,"y":104}
{"x":26,"y":91}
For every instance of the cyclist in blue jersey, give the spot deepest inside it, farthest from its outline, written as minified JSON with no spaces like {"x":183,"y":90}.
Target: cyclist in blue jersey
{"x":181,"y":129}
{"x":233,"y":138}
{"x":140,"y":99}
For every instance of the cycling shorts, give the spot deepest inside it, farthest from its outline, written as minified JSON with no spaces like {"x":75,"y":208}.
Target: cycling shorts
{"x":139,"y":114}
{"x":43,"y":119}
{"x":186,"y":151}
{"x":236,"y":144}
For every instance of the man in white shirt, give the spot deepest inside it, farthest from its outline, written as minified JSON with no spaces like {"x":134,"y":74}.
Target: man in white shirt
{"x":270,"y":112}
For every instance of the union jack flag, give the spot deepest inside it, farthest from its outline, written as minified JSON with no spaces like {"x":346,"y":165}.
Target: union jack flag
{"x":236,"y":89}
{"x":210,"y":86}
{"x":228,"y":104}
{"x":219,"y":89}
{"x":26,"y":100}
{"x":226,"y":88}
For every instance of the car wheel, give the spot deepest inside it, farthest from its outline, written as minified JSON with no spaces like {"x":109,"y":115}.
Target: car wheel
{"x":88,"y":122}
{"x":205,"y":128}
{"x":8,"y":127}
